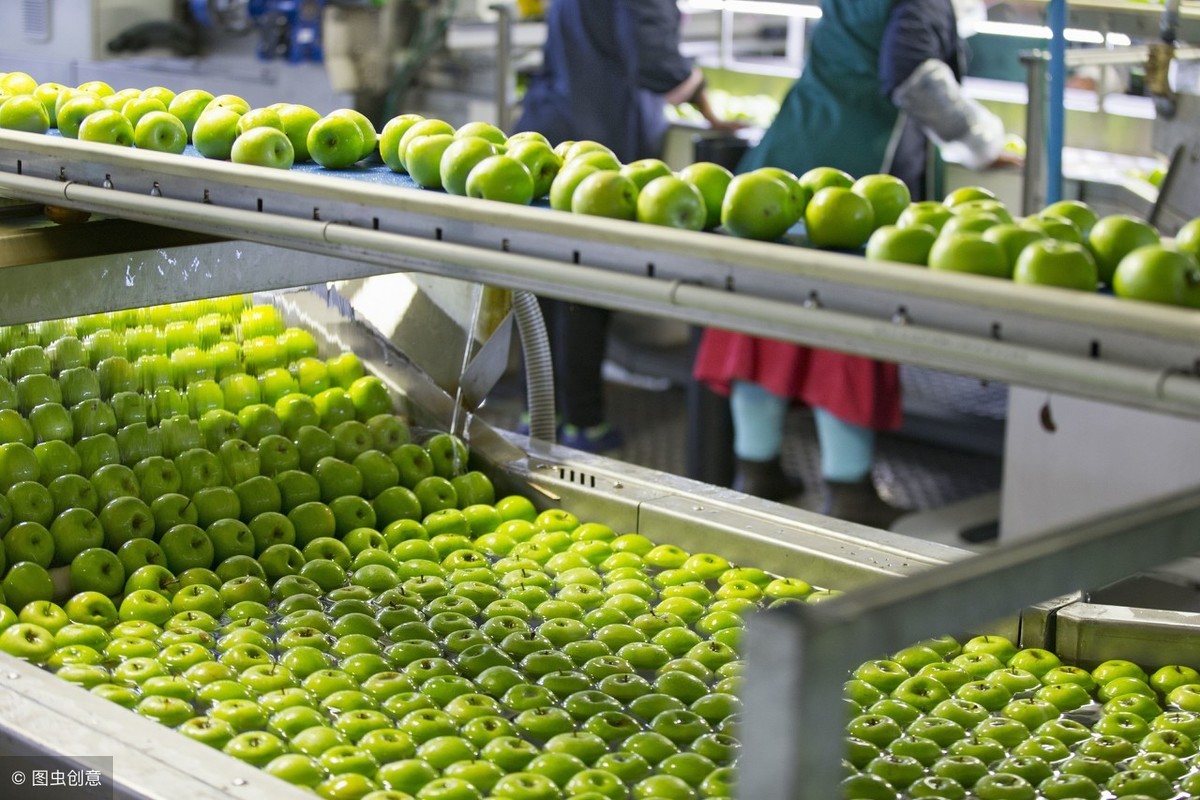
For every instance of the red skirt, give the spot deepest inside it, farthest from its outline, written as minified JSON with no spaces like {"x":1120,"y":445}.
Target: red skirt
{"x":856,"y":389}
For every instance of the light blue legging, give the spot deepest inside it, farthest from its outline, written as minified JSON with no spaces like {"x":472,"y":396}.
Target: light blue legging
{"x":847,"y":450}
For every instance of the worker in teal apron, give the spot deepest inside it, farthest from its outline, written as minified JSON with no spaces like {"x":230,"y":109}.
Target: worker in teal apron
{"x":881,"y":80}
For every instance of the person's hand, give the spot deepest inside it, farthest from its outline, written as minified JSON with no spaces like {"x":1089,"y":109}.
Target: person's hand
{"x":1006,"y":159}
{"x":726,"y":125}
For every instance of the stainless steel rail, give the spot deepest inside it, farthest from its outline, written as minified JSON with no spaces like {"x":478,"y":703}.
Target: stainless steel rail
{"x":43,"y":715}
{"x":797,"y":657}
{"x":1126,"y":352}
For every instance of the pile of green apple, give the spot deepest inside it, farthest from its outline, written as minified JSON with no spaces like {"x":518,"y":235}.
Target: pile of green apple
{"x":989,"y":721}
{"x":207,"y":523}
{"x":1066,"y":245}
{"x":221,"y":127}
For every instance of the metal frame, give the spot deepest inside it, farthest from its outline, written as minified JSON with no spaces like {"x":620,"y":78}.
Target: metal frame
{"x":796,"y":656}
{"x":41,"y":715}
{"x":1034,"y":189}
{"x":1075,"y":343}
{"x":44,"y":715}
{"x":1125,"y":352}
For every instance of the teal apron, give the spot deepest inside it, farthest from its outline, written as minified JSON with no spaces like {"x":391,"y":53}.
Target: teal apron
{"x":835,"y":114}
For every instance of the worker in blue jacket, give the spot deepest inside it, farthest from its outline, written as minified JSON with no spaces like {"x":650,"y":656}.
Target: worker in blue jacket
{"x":609,"y":68}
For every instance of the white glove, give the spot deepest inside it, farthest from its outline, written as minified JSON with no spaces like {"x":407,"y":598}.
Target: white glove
{"x":964,"y":131}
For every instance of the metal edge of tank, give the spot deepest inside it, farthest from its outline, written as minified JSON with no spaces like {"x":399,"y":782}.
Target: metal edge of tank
{"x":43,"y":716}
{"x":1089,"y":633}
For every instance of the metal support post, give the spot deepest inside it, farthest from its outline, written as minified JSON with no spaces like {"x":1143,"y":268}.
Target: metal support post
{"x":1033,"y":195}
{"x":505,"y":89}
{"x":1057,"y":17}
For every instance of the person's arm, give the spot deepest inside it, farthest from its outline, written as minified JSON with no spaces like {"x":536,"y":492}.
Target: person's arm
{"x":917,"y":78}
{"x":662,"y":68}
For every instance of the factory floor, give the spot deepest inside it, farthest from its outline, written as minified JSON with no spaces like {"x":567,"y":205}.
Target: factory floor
{"x":944,"y":466}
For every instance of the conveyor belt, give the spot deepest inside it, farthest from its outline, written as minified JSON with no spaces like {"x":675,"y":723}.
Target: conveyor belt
{"x":1122,"y":351}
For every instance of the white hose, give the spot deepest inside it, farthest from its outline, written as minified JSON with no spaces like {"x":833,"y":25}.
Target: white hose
{"x":539,"y":369}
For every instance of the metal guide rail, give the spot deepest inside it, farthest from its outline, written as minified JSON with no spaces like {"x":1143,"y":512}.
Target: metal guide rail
{"x":783,"y":758}
{"x":1122,"y":351}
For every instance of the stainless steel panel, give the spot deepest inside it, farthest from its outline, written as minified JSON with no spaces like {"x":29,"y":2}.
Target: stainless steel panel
{"x":1088,"y":633}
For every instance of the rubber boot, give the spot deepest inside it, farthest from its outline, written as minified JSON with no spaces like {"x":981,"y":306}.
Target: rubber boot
{"x":765,"y":479}
{"x":858,"y":502}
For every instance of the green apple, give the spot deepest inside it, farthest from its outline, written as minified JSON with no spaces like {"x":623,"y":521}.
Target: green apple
{"x":106,"y":127}
{"x":887,"y":194}
{"x":29,"y":541}
{"x":606,"y":193}
{"x":417,"y":130}
{"x":644,"y":170}
{"x":839,"y":218}
{"x":1156,"y":274}
{"x":1166,"y":679}
{"x":215,"y":131}
{"x":366,"y":128}
{"x":482,"y":130}
{"x":539,"y":158}
{"x":925,"y":212}
{"x":139,"y":107}
{"x":1037,"y":660}
{"x":370,"y":396}
{"x":263,"y":146}
{"x":185,"y":547}
{"x":259,"y":118}
{"x":581,"y":148}
{"x":49,"y":93}
{"x":72,"y":108}
{"x":1051,"y":262}
{"x":27,"y":641}
{"x":569,"y":176}
{"x":502,"y":178}
{"x":138,"y":553}
{"x":1013,"y":238}
{"x":124,"y":518}
{"x":51,"y":422}
{"x":389,"y":139}
{"x":921,"y":692}
{"x":671,"y":201}
{"x":757,"y":205}
{"x":908,"y":245}
{"x":91,"y":608}
{"x":96,"y":569}
{"x":214,"y":503}
{"x":296,"y":120}
{"x":1065,"y":785}
{"x":1055,"y":227}
{"x":24,"y":112}
{"x":712,"y":180}
{"x":336,"y":142}
{"x":819,"y":178}
{"x":1076,"y":211}
{"x":968,"y":252}
{"x":1113,"y":237}
{"x":1187,"y":238}
{"x":18,"y":462}
{"x":458,"y":158}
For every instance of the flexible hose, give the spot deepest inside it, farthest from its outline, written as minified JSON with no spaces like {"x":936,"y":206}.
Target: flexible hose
{"x":539,"y":370}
